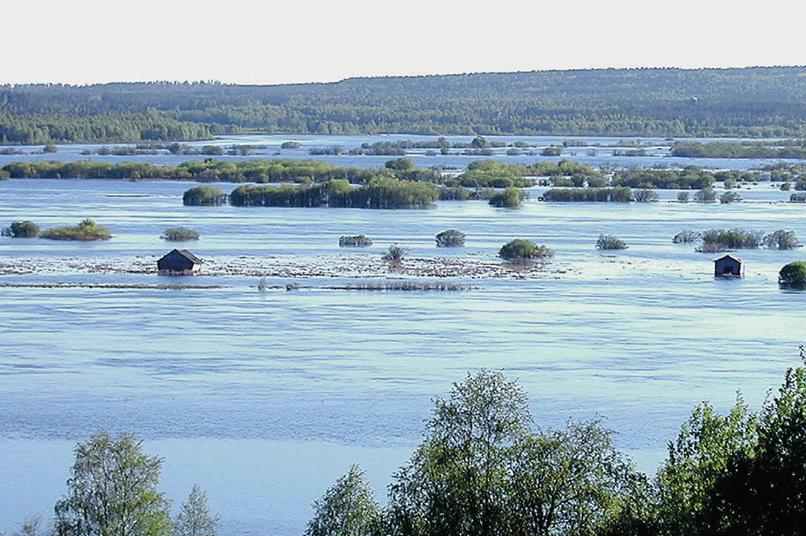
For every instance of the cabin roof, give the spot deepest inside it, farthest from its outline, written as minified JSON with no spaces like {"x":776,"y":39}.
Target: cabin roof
{"x":186,"y":253}
{"x":731,"y":257}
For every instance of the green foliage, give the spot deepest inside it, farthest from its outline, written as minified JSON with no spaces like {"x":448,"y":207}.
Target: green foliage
{"x":358,"y":241}
{"x":87,"y":230}
{"x":22,"y":229}
{"x":736,"y":149}
{"x":493,"y":174}
{"x":400,"y":164}
{"x":194,"y":517}
{"x":379,"y":193}
{"x":204,"y":196}
{"x":681,"y":179}
{"x":347,"y":509}
{"x":509,"y":198}
{"x":610,"y":242}
{"x":730,"y":197}
{"x":50,"y":148}
{"x":720,"y":239}
{"x":552,"y":150}
{"x":521,"y":249}
{"x":793,"y":274}
{"x":588,"y":195}
{"x":179,"y":234}
{"x":112,"y":490}
{"x":290,"y":145}
{"x":450,"y":239}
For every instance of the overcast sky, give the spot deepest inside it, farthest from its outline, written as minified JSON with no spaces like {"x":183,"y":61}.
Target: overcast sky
{"x":83,"y":41}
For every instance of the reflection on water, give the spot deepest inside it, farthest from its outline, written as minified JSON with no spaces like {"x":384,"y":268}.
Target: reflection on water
{"x":265,"y":398}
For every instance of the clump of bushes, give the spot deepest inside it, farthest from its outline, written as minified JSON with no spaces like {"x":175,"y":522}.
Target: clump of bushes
{"x":610,"y":242}
{"x":395,"y":254}
{"x":179,"y":234}
{"x":21,"y":229}
{"x":715,"y":240}
{"x":797,"y":198}
{"x":730,"y":197}
{"x":586,"y":195}
{"x":682,"y":197}
{"x":204,"y":196}
{"x":290,"y":145}
{"x":87,"y":230}
{"x":686,"y":237}
{"x":509,"y":198}
{"x":793,"y":275}
{"x":705,"y":195}
{"x":645,"y":195}
{"x":358,"y":241}
{"x":781,"y":239}
{"x":521,"y":249}
{"x":450,"y":239}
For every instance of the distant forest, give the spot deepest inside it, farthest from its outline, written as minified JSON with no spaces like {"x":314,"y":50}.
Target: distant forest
{"x":750,"y":102}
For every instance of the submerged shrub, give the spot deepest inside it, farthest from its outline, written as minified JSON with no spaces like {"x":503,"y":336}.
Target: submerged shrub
{"x":645,"y":195}
{"x":682,"y":197}
{"x":450,"y":239}
{"x":720,"y":239}
{"x":358,"y":241}
{"x":797,"y":198}
{"x":608,"y":242}
{"x":394,"y":254}
{"x":21,"y":229}
{"x":793,"y":274}
{"x":509,"y":198}
{"x":179,"y":234}
{"x":521,"y":249}
{"x":730,"y":197}
{"x":686,"y":237}
{"x":705,"y":195}
{"x":87,"y":230}
{"x":586,"y":195}
{"x":781,"y":239}
{"x":204,"y":196}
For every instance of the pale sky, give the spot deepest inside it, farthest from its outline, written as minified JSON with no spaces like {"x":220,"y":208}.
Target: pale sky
{"x":84,"y":41}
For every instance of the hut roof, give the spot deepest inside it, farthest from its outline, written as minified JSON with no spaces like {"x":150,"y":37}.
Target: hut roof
{"x":731,"y":257}
{"x":186,"y":253}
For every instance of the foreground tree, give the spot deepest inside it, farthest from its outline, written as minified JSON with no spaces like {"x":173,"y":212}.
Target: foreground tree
{"x":194,"y":519}
{"x":347,"y":509}
{"x":112,"y":491}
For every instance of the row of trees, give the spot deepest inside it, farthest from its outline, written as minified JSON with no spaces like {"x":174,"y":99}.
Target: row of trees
{"x":483,"y":469}
{"x":756,"y":102}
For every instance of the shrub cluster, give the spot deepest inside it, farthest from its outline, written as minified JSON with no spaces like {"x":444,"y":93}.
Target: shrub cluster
{"x":179,"y":234}
{"x":521,"y":249}
{"x":358,"y":241}
{"x":87,"y":230}
{"x":610,"y":242}
{"x":204,"y":196}
{"x":21,"y":229}
{"x":615,"y":195}
{"x":509,"y":198}
{"x":450,"y":239}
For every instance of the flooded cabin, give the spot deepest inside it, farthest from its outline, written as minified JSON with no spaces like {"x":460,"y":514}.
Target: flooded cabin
{"x":179,"y":262}
{"x":728,"y":266}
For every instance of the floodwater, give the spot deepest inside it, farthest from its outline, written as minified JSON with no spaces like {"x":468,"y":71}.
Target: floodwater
{"x":265,"y":398}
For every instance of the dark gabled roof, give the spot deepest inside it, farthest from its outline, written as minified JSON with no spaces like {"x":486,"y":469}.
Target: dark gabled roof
{"x":186,"y":253}
{"x":732,"y":257}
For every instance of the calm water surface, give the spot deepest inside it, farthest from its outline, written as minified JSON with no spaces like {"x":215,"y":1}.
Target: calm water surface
{"x":266,"y":398}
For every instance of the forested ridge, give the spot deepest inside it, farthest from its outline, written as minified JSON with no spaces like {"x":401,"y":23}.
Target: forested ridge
{"x":752,"y":102}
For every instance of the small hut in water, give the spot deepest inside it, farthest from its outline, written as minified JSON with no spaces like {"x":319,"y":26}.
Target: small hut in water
{"x":728,"y":266}
{"x":179,"y":262}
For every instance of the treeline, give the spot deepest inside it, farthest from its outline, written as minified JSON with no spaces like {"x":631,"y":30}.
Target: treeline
{"x":127,"y":127}
{"x":480,"y":174}
{"x":725,"y":149}
{"x":752,"y":102}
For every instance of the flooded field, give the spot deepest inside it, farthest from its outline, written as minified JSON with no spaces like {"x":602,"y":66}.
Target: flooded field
{"x":265,"y":398}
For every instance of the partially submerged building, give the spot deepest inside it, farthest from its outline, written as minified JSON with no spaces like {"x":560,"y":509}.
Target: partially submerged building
{"x":179,"y":262}
{"x":728,"y":266}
